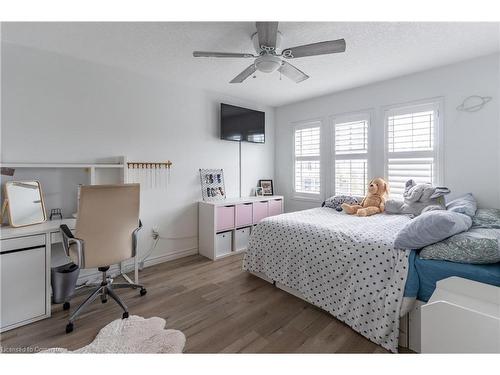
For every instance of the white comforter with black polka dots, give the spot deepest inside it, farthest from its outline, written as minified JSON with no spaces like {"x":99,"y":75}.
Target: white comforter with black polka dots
{"x":345,"y":264}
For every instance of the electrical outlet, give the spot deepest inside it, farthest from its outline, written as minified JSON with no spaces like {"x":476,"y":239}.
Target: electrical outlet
{"x":155,"y":232}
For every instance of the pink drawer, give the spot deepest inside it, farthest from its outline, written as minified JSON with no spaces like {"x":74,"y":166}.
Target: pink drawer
{"x":260,"y":211}
{"x":275,"y":207}
{"x":225,"y":218}
{"x":244,"y":214}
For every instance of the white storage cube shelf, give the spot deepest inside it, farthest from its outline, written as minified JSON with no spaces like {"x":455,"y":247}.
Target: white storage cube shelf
{"x":223,"y":243}
{"x":225,"y":226}
{"x":241,"y":237}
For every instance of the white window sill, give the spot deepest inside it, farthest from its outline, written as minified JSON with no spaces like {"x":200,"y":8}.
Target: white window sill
{"x":303,"y":198}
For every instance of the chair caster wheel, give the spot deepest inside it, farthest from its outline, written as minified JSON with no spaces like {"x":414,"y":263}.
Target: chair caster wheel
{"x":104,"y":300}
{"x":143,"y":292}
{"x":66,"y":306}
{"x":69,"y":328}
{"x":125,"y":315}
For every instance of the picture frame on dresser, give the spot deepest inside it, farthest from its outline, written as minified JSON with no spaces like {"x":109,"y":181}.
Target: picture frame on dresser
{"x":267,"y":187}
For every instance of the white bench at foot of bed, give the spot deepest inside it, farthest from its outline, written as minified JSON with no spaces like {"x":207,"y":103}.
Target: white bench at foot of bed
{"x":462,"y":316}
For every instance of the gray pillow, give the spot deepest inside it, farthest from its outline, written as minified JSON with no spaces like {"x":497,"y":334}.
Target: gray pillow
{"x":465,"y":204}
{"x":336,"y":201}
{"x":476,"y":246}
{"x":486,"y":218}
{"x":431,"y":227}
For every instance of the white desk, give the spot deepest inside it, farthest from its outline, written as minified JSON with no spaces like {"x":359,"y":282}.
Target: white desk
{"x":27,"y":255}
{"x":25,"y":261}
{"x":51,"y":226}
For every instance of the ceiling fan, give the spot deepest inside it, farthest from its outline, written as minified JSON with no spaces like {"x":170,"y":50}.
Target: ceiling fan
{"x":267,"y":43}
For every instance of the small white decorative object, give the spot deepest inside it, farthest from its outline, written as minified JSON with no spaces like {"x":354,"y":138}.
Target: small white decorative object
{"x":474,"y":103}
{"x":212,"y":184}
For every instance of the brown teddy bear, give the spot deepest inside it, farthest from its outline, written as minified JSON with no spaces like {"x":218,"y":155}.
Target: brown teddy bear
{"x":373,"y":202}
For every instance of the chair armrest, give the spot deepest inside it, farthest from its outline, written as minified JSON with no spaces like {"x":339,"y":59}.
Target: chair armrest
{"x":134,"y":239}
{"x":68,"y":239}
{"x":65,"y":231}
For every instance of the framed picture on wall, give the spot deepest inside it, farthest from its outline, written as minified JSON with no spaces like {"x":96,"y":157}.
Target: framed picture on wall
{"x":267,"y":186}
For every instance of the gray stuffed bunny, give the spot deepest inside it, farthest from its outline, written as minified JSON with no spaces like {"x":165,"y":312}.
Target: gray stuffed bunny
{"x":418,"y":198}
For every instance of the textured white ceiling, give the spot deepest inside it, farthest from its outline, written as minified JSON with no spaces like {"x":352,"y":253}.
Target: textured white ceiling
{"x":375,"y":51}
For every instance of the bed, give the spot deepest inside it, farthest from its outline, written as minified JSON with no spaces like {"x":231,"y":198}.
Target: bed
{"x":344,"y":264}
{"x":348,"y":266}
{"x":423,"y":275}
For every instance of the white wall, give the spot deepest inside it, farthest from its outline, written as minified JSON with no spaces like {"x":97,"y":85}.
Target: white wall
{"x":471,"y":140}
{"x":59,"y":109}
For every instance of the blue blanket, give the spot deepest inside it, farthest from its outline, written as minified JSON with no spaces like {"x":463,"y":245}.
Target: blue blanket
{"x":423,"y":275}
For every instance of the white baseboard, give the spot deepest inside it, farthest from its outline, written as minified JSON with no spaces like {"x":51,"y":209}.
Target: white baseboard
{"x":126,"y":268}
{"x":170,"y":256}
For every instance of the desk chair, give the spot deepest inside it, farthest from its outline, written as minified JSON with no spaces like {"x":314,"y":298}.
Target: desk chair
{"x":106,"y":234}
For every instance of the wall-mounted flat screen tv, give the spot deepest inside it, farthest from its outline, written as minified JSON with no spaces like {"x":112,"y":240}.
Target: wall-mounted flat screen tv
{"x":242,"y":124}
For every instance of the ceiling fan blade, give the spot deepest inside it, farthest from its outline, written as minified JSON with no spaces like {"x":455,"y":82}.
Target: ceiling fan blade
{"x":267,"y":32}
{"x":244,"y":74}
{"x":314,"y":49}
{"x":221,"y":54}
{"x":290,"y":71}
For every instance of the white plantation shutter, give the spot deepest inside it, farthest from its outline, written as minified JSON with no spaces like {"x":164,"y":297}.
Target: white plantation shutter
{"x":351,"y":149}
{"x":411,"y":132}
{"x":351,"y":137}
{"x":411,"y":146}
{"x":350,"y":176}
{"x":401,"y":170}
{"x":307,"y":159}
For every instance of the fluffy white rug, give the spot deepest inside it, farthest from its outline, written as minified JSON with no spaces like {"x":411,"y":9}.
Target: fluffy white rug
{"x":133,"y":335}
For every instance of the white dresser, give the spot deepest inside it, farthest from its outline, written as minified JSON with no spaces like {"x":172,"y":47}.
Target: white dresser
{"x":25,"y":262}
{"x":224,"y":226}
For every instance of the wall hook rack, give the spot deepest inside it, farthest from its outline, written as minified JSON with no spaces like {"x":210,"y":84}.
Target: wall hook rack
{"x":139,"y":164}
{"x":151,"y":175}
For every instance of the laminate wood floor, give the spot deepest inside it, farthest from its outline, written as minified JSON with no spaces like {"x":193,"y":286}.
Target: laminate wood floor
{"x":219,"y":307}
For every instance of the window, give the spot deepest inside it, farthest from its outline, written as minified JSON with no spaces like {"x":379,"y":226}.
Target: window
{"x":351,"y":150}
{"x":307,"y":159}
{"x":412,"y":148}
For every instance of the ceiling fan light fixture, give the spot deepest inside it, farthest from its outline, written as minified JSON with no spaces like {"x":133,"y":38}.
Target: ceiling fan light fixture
{"x":257,"y":47}
{"x":267,"y":43}
{"x":267,"y":63}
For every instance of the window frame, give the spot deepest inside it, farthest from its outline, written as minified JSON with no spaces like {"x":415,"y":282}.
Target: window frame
{"x":435,"y":104}
{"x":345,"y":118}
{"x":299,"y":125}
